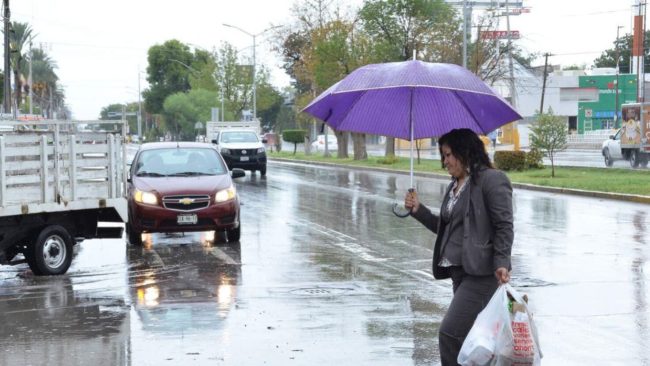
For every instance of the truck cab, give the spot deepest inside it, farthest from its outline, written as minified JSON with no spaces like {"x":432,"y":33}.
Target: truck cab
{"x":241,"y":148}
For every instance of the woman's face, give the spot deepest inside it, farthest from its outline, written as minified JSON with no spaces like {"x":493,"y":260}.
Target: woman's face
{"x":454,"y":166}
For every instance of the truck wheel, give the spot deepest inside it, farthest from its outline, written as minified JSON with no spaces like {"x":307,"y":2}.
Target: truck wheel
{"x":608,"y":158}
{"x":263,"y":170}
{"x":634,"y":159}
{"x":644,"y":160}
{"x":233,"y":235}
{"x":51,"y":253}
{"x":134,"y":237}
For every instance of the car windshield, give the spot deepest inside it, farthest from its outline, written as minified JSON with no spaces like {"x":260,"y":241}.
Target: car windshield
{"x":179,"y":161}
{"x":239,"y":136}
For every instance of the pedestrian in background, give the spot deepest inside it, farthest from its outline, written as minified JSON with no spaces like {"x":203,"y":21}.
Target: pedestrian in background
{"x":493,"y":137}
{"x":474,"y":234}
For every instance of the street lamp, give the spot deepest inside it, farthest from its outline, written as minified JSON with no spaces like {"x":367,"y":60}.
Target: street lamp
{"x":254,"y":65}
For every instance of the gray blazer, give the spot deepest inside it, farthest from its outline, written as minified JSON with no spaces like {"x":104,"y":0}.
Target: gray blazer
{"x":487,"y":225}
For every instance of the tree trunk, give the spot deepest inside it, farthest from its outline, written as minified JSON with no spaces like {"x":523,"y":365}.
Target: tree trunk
{"x":390,"y":146}
{"x":19,"y":87}
{"x":342,"y":140}
{"x":359,"y":145}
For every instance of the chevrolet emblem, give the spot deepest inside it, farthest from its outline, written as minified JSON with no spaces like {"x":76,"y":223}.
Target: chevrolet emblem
{"x":186,"y":201}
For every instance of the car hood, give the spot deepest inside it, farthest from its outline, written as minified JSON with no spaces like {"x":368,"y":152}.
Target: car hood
{"x":165,"y":186}
{"x":241,"y":145}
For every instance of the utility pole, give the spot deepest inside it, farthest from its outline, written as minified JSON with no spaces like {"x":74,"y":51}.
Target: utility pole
{"x":618,"y":56}
{"x":541,"y":104}
{"x":31,"y":95}
{"x":7,"y":82}
{"x":513,"y":93}
{"x":139,"y":109}
{"x":465,"y":33}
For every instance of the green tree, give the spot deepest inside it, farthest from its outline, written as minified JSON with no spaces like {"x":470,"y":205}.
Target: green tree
{"x":549,"y":134}
{"x":398,"y":28}
{"x":181,"y":111}
{"x":167,"y":73}
{"x":19,"y":38}
{"x":48,"y":96}
{"x":319,"y":51}
{"x":624,"y":43}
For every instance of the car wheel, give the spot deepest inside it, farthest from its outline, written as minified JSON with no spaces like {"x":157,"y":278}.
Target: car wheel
{"x":51,"y":253}
{"x":233,"y":235}
{"x":263,"y":170}
{"x":134,"y":236}
{"x":608,"y":158}
{"x":634,"y":159}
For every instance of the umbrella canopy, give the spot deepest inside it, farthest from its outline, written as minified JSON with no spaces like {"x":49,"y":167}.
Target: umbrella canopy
{"x":411,"y":100}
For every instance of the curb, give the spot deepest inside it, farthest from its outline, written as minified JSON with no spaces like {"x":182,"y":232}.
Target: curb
{"x":532,"y":187}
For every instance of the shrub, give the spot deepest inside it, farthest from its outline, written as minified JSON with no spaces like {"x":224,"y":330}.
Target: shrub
{"x":510,"y":160}
{"x":534,"y":159}
{"x":388,"y":160}
{"x":294,"y":136}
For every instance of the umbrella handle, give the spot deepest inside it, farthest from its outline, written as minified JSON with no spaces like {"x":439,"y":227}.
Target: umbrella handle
{"x":399,"y":210}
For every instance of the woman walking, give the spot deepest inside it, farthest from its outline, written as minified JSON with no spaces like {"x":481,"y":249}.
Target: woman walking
{"x":474,"y":234}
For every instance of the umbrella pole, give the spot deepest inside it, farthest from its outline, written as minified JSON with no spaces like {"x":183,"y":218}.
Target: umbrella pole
{"x":411,"y":126}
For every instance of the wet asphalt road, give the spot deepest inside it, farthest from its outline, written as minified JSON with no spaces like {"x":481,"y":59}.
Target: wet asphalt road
{"x":325,"y":274}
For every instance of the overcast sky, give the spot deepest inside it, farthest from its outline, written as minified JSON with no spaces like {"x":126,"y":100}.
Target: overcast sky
{"x":99,"y":46}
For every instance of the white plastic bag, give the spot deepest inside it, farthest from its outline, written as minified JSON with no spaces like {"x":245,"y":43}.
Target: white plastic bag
{"x":501,"y":337}
{"x":479,"y":347}
{"x":518,"y":343}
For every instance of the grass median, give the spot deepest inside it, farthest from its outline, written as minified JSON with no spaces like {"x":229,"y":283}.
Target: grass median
{"x":625,"y":181}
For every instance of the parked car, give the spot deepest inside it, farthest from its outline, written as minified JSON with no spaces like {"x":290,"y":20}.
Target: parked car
{"x":319,"y":143}
{"x":181,"y":187}
{"x":612,"y":151}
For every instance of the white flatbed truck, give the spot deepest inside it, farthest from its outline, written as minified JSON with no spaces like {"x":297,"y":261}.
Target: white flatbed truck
{"x":57,"y":182}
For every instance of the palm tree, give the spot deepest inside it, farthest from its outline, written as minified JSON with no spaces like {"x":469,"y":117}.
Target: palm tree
{"x":20,"y":35}
{"x":45,"y":81}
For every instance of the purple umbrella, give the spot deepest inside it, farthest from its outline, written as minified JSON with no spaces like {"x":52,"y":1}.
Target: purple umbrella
{"x":411,"y":100}
{"x":431,"y":98}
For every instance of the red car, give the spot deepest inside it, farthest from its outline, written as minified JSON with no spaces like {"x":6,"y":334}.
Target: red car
{"x":181,"y":187}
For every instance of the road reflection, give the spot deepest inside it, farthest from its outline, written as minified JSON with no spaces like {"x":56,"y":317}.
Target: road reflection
{"x":639,"y":222}
{"x":48,"y":320}
{"x":181,"y":286}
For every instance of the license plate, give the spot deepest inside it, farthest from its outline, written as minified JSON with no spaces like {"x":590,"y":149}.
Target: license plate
{"x":244,"y":158}
{"x":190,"y":219}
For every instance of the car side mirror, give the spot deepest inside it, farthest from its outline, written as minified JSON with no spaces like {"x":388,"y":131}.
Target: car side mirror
{"x":264,"y":141}
{"x":237,"y":173}
{"x":611,"y":137}
{"x":214,"y":142}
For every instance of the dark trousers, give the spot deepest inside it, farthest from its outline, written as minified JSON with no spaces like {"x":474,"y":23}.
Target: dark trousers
{"x":471,"y":295}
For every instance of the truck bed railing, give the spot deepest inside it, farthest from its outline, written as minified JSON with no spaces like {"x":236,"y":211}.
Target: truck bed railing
{"x":55,"y":163}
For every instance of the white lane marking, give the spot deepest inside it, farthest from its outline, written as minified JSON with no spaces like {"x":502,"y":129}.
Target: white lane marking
{"x":221,"y":255}
{"x":156,"y":260}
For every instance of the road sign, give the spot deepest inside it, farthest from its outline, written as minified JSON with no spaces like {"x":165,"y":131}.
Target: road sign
{"x":514,"y":34}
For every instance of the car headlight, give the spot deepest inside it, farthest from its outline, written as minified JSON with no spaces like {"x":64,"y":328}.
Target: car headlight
{"x":261,"y":150}
{"x":225,"y":151}
{"x":225,"y":194}
{"x":145,"y":197}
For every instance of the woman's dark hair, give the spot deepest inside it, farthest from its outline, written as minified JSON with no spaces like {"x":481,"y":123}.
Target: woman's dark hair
{"x":467,"y":147}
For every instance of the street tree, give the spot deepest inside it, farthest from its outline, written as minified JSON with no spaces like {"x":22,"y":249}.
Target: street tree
{"x":549,"y":135}
{"x":167,"y":73}
{"x":608,"y":57}
{"x":19,"y":37}
{"x":397,"y":28}
{"x":47,"y":94}
{"x":319,"y":50}
{"x":182,"y":110}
